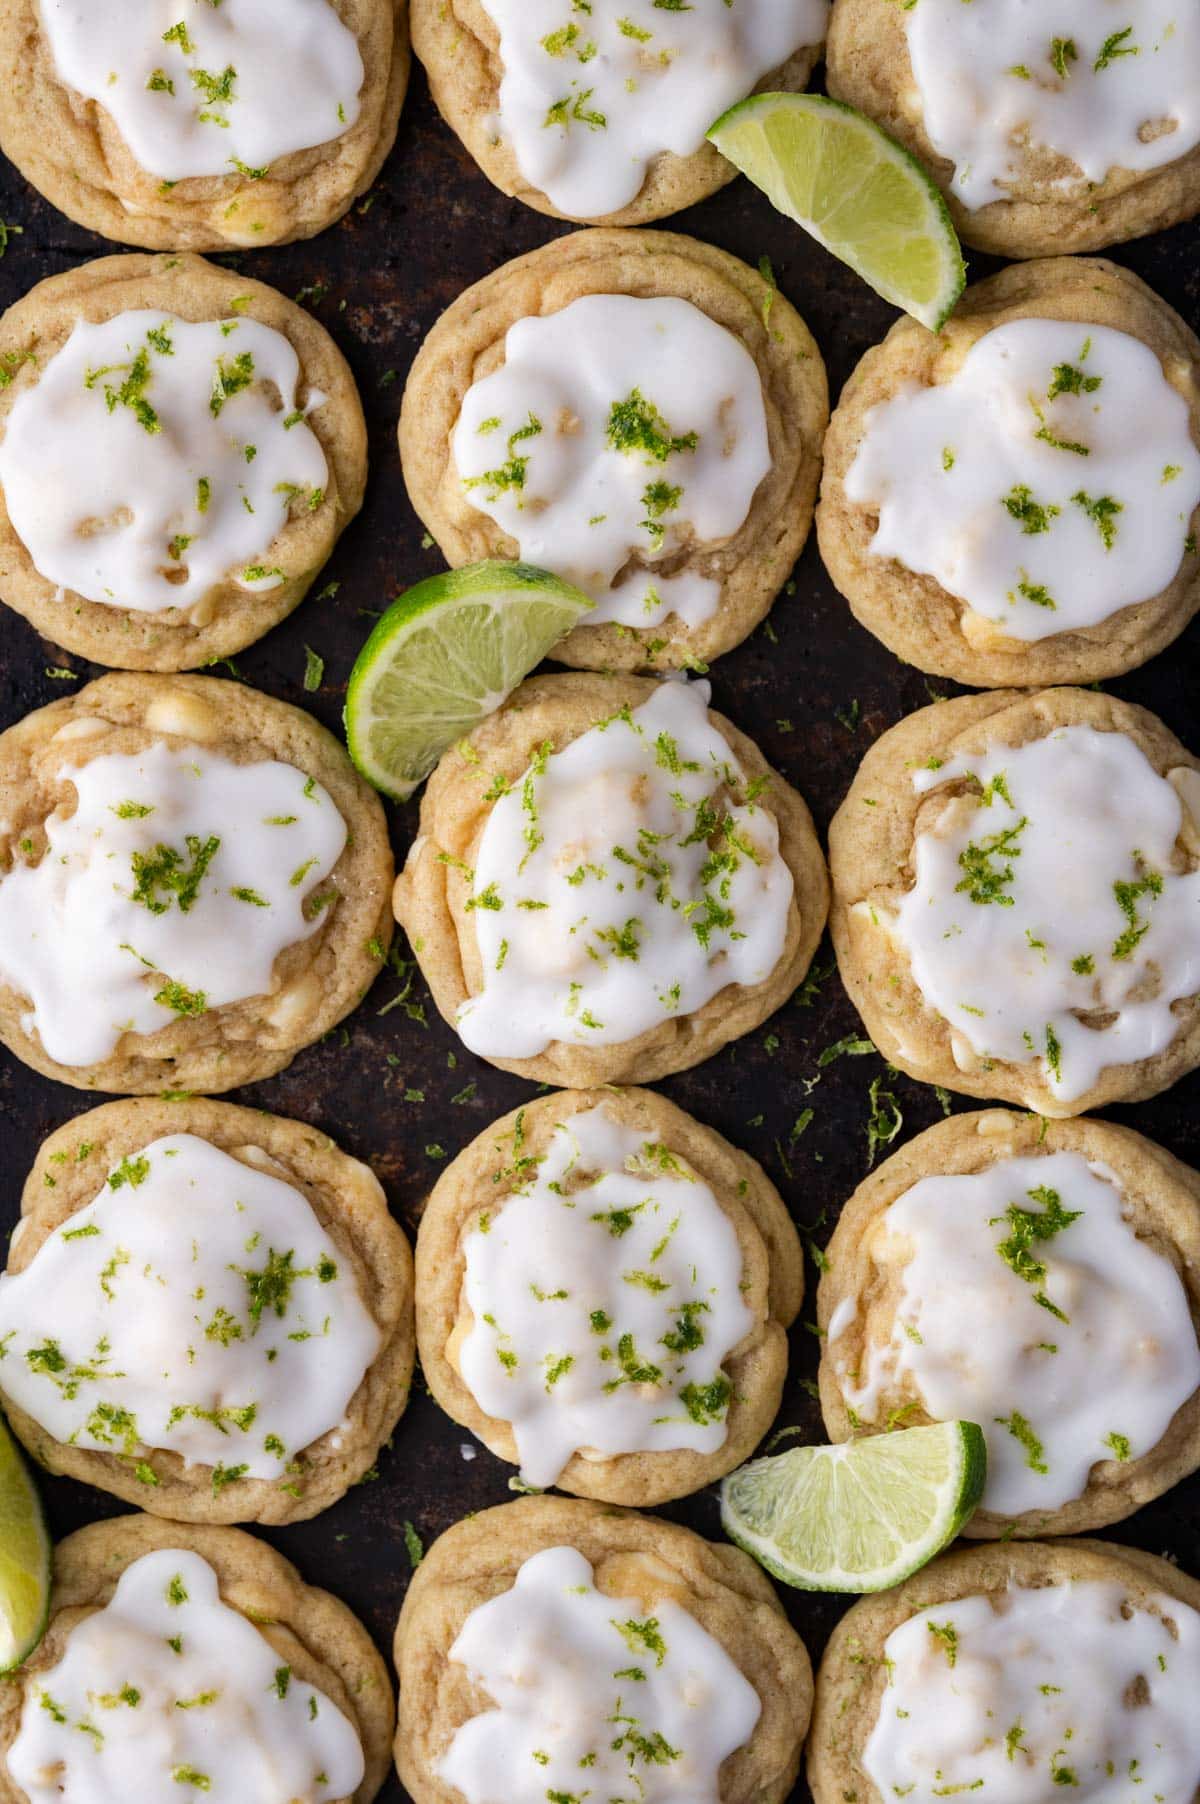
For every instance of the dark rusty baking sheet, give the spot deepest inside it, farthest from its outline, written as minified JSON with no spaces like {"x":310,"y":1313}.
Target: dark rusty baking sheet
{"x":812,"y":688}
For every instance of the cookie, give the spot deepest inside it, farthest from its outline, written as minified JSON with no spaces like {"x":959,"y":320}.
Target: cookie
{"x":602,"y":118}
{"x":1016,"y":887}
{"x":609,"y":883}
{"x":216,"y":899}
{"x":1046,"y":135}
{"x":172,"y":129}
{"x":596,"y":1236}
{"x":636,"y":411}
{"x":1041,"y":1279}
{"x":1082,"y":1660}
{"x":503,"y":1650}
{"x":261,"y":1266}
{"x":1016,"y":501}
{"x":197,"y":1655}
{"x":180,"y":450}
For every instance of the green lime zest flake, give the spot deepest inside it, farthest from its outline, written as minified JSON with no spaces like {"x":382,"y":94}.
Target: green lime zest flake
{"x":635,"y":425}
{"x":1084,"y":965}
{"x":707,"y":1403}
{"x":510,"y":475}
{"x":1033,"y":516}
{"x":1054,"y":1053}
{"x":232,"y":375}
{"x":1119,"y":1445}
{"x":1102,"y":512}
{"x":1128,"y":895}
{"x":1063,"y":52}
{"x":1030,"y":1227}
{"x":251,"y":896}
{"x":414,"y":1545}
{"x":190,"y":1775}
{"x":946,"y":1636}
{"x":163,"y":868}
{"x":1115,"y":46}
{"x":132,"y":391}
{"x":314,"y":670}
{"x":159,"y":82}
{"x":1069,"y":379}
{"x":986,"y":865}
{"x":131,"y":811}
{"x":178,"y":34}
{"x":642,"y":1637}
{"x":1037,"y":593}
{"x":133,"y":1170}
{"x":185,"y":1002}
{"x":1021,"y":1432}
{"x":177,"y":1591}
{"x":885,"y":1119}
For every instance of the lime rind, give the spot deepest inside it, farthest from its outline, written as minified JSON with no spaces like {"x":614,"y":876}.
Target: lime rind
{"x":861,"y":1516}
{"x":25,"y":1557}
{"x":909,"y":253}
{"x":446,"y":654}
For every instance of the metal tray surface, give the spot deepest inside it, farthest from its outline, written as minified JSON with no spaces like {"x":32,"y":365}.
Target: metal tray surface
{"x":811,"y":686}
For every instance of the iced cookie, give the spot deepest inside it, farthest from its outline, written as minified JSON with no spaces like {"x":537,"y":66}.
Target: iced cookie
{"x":193,"y":885}
{"x":1041,"y":1279}
{"x":604,"y":1288}
{"x":1016,"y":500}
{"x":1015,"y":1672}
{"x":609,"y":882}
{"x":599,"y":113}
{"x":1049,"y":128}
{"x":1017,"y":899}
{"x":641,"y":414}
{"x":180,"y":449}
{"x":184,"y":125}
{"x":573,"y":1648}
{"x":207,"y":1312}
{"x":185,"y":1661}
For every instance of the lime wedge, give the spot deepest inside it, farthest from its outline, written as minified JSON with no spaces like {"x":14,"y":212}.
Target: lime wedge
{"x":24,"y":1558}
{"x":861,"y":1516}
{"x":444,"y":657}
{"x":858,"y":192}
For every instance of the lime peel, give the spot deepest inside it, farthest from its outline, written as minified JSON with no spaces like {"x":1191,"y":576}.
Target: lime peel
{"x":860,"y":1516}
{"x":856,"y":190}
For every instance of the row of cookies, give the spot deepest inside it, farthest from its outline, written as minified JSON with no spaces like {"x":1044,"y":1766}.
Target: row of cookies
{"x":1014,"y":501}
{"x":264,"y":125}
{"x":550,"y":1648}
{"x":549,"y":1637}
{"x":608,"y":884}
{"x":209,"y":1312}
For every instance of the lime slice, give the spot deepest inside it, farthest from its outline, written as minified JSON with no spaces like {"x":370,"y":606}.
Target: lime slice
{"x":858,"y":1517}
{"x":858,"y":192}
{"x":24,"y":1558}
{"x":444,"y":657}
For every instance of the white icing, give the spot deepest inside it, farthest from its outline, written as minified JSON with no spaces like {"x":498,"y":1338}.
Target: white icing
{"x":590,"y":99}
{"x":542,"y":448}
{"x":125,"y":1714}
{"x":92,"y":941}
{"x":1069,"y":1342}
{"x":195,"y":1305}
{"x":559,"y":1660}
{"x":1049,"y":483}
{"x":154,"y":458}
{"x":997,"y":76}
{"x":200,"y":90}
{"x":1037,"y":1694}
{"x":1074,"y":835}
{"x":605,"y":1297}
{"x":630,"y":924}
